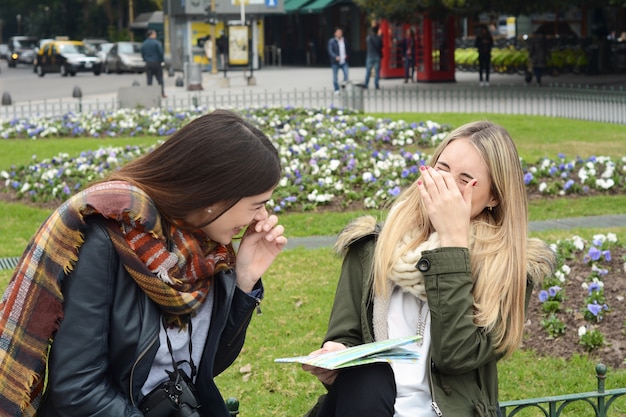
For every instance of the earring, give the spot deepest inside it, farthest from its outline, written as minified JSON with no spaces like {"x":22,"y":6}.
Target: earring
{"x":490,"y":208}
{"x":209,"y":211}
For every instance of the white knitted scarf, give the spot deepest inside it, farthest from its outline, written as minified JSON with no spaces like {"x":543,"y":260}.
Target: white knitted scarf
{"x":404,"y":274}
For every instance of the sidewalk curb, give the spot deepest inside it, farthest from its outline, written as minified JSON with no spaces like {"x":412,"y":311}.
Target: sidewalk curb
{"x":321,"y":242}
{"x":617,"y":220}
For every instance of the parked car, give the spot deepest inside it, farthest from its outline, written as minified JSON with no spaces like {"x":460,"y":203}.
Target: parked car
{"x":103,"y":50}
{"x":94,"y":43}
{"x":67,"y":57}
{"x":23,"y":49}
{"x":125,"y":57}
{"x":4,"y":52}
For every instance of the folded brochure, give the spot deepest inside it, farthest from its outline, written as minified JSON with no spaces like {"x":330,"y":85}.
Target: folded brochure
{"x":382,"y":351}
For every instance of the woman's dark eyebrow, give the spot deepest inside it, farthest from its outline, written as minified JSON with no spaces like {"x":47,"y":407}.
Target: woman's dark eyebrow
{"x":463,"y":174}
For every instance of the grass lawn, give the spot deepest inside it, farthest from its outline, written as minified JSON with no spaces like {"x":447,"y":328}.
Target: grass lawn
{"x":301,"y":283}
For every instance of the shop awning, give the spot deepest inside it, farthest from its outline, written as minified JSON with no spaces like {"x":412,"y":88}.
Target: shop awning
{"x":292,"y":6}
{"x":316,"y":6}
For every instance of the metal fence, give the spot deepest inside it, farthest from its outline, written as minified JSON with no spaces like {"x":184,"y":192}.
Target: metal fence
{"x":597,"y":403}
{"x":580,"y":102}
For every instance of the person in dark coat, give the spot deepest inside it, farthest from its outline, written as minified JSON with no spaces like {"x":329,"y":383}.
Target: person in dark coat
{"x":152,"y":54}
{"x":374,"y":54}
{"x":484,"y":44}
{"x":538,"y":55}
{"x":408,"y":55}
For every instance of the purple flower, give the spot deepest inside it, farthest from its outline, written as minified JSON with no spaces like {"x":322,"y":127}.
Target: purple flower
{"x":543,"y":296}
{"x":607,"y":255}
{"x":594,"y":308}
{"x":568,"y":184}
{"x":594,"y":253}
{"x":528,"y":177}
{"x":553,"y":290}
{"x":594,"y":286}
{"x":395,"y":191}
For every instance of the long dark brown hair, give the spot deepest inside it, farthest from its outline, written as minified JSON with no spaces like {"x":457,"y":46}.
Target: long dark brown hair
{"x":213,"y":161}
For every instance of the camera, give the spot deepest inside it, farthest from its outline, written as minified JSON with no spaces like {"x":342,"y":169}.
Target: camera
{"x":175,"y":397}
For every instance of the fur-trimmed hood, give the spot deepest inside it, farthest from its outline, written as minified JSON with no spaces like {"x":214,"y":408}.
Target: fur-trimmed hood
{"x":356,"y":230}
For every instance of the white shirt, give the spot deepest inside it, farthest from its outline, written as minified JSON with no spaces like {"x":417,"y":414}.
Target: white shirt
{"x":342,"y":50}
{"x":413,"y":389}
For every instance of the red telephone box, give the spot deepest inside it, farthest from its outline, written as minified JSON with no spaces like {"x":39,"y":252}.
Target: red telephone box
{"x":435,"y":53}
{"x":392,"y":65}
{"x":434,"y":44}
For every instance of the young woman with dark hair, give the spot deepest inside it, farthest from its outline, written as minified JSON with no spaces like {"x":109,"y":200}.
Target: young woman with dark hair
{"x":135,"y":278}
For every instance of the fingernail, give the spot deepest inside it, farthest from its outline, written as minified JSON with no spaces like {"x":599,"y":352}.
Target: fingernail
{"x":422,"y":168}
{"x":419,"y":183}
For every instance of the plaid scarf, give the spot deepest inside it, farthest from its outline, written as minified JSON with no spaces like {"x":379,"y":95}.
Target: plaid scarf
{"x":32,"y":305}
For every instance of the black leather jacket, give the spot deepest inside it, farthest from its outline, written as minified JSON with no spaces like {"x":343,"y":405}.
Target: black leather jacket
{"x":106,"y":343}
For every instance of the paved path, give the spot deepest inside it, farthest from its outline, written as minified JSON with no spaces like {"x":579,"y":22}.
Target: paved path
{"x":282,"y":79}
{"x":617,"y":220}
{"x":275,"y":79}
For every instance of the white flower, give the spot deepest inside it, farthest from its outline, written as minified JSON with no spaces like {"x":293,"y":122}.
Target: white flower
{"x":578,"y":242}
{"x":599,"y":236}
{"x":25,"y":187}
{"x":611,"y":237}
{"x":566,"y":269}
{"x":542,"y":187}
{"x":605,"y":183}
{"x":582,"y":330}
{"x":334,"y":164}
{"x":560,"y":276}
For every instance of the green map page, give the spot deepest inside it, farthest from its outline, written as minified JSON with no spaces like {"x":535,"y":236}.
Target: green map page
{"x":382,"y":351}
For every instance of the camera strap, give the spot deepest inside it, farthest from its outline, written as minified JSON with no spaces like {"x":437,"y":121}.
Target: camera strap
{"x":175,"y":364}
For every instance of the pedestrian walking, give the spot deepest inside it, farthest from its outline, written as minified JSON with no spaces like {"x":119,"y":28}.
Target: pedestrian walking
{"x":152,"y":54}
{"x":408,"y":55}
{"x":538,"y":55}
{"x":338,"y":54}
{"x":484,"y":44}
{"x":374,"y":43}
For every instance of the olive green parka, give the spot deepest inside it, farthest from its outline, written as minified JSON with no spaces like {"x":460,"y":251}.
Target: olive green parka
{"x":462,"y":362}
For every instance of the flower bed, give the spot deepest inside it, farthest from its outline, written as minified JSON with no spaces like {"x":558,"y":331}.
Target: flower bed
{"x":330,"y":157}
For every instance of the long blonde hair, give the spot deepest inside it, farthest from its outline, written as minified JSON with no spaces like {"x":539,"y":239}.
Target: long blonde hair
{"x":498,"y":248}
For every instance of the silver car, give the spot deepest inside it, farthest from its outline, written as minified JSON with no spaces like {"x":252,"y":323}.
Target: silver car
{"x":124,"y":57}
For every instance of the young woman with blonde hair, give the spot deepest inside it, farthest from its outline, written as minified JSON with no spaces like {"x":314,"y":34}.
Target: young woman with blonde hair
{"x":453,"y":264}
